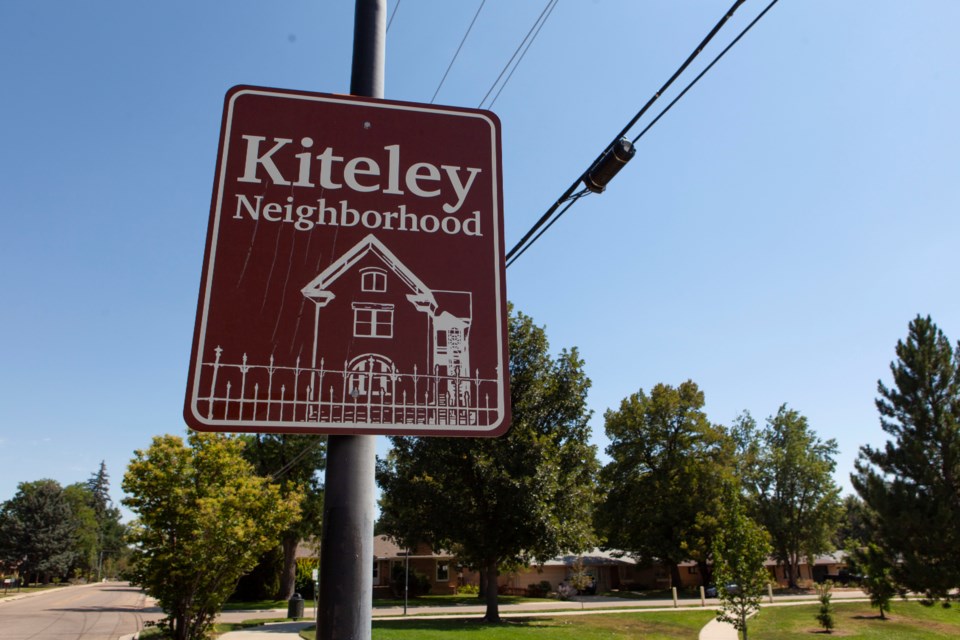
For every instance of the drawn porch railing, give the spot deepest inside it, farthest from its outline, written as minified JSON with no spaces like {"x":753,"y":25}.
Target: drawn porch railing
{"x":368,"y":390}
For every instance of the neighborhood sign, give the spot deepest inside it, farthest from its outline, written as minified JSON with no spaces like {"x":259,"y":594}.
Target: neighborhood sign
{"x":353,"y":280}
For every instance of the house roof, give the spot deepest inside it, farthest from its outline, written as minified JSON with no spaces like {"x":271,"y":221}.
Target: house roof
{"x":593,"y":558}
{"x":317,"y":288}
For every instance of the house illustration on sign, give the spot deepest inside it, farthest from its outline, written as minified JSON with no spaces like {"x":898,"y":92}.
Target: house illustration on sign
{"x":388,"y":313}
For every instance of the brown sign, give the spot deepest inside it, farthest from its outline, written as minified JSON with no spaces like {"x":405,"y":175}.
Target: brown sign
{"x":353,"y":279}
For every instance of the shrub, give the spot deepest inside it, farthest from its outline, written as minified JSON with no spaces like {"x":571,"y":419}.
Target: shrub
{"x":304,"y":580}
{"x":418,"y":585}
{"x":468,"y":589}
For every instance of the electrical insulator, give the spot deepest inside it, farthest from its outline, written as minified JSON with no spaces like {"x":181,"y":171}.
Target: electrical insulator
{"x":608,"y":165}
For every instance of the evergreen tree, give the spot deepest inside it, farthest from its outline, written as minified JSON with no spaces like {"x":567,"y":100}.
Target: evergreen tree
{"x":37,"y":531}
{"x":525,"y":496}
{"x":912,"y":483}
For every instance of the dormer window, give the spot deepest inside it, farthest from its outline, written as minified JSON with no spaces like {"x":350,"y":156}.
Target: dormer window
{"x":373,"y":280}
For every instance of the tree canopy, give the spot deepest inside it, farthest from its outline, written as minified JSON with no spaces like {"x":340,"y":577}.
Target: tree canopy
{"x":38,"y":531}
{"x":525,"y":496}
{"x":203,"y":519}
{"x":787,"y":473}
{"x":665,"y":479}
{"x":293,"y":462}
{"x":912,"y":483}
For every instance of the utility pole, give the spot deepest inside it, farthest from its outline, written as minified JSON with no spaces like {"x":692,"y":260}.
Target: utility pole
{"x":346,"y":551}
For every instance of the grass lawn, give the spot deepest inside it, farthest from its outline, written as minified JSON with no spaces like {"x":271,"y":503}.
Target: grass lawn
{"x":906,"y":621}
{"x":672,"y":625}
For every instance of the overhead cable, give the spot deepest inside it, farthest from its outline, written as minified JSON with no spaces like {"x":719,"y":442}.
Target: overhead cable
{"x":522,"y":55}
{"x":547,"y":9}
{"x":571,"y":195}
{"x":449,"y":66}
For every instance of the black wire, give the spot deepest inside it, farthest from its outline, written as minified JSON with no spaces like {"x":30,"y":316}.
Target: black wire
{"x":704,"y":72}
{"x":520,"y":46}
{"x":450,"y":66}
{"x":522,"y":55}
{"x":512,"y":254}
{"x":390,"y":21}
{"x":550,"y":224}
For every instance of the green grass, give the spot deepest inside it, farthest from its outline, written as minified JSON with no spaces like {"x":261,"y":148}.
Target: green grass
{"x":906,"y":621}
{"x":678,"y":625}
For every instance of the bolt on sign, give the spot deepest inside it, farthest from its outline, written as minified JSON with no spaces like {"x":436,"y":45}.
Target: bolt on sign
{"x":353,"y":280}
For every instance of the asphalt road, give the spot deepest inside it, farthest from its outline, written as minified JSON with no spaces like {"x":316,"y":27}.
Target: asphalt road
{"x":104,"y":611}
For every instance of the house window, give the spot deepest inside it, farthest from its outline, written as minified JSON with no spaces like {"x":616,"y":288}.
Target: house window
{"x":374,"y":280}
{"x":376,"y":571}
{"x":372,"y":320}
{"x":443,"y":572}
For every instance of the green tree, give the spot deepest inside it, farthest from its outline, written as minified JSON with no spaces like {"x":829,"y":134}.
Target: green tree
{"x":85,"y":531}
{"x":854,"y":522}
{"x":293,"y":462}
{"x":876,"y":568}
{"x":525,"y":496}
{"x":740,"y":551}
{"x":788,"y":475}
{"x":111,"y":532}
{"x":664,"y":482}
{"x":37,"y":531}
{"x":203,"y":519}
{"x":826,"y":609}
{"x":912,"y":483}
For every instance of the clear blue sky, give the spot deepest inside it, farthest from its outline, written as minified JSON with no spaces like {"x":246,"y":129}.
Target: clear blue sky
{"x":771,"y":240}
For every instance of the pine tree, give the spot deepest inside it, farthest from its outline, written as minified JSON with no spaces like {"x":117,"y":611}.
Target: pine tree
{"x":912,"y":484}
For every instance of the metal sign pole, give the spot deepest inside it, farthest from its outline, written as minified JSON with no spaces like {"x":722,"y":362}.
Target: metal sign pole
{"x":346,"y":575}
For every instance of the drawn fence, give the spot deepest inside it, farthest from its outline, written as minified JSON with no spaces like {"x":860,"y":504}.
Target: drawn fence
{"x":368,"y":390}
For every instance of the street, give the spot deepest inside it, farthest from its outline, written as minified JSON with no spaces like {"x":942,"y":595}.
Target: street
{"x":103,"y":611}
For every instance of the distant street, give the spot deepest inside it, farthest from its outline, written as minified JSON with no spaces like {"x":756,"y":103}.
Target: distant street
{"x":104,"y":611}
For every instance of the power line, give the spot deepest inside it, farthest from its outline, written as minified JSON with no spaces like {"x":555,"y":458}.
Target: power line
{"x":522,"y":55}
{"x":450,"y":66}
{"x":571,"y":195}
{"x":546,"y":10}
{"x":396,"y":7}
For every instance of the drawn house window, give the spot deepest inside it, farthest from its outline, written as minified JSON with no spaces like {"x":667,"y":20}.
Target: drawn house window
{"x":443,"y":572}
{"x":373,"y":280}
{"x":372,"y":320}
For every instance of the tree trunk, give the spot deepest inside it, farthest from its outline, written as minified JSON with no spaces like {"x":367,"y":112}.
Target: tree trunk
{"x":706,"y":572}
{"x":675,"y":575}
{"x":288,"y":577}
{"x":493,"y":604}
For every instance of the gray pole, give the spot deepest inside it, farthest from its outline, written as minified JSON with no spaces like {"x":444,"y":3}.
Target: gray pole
{"x":346,"y":552}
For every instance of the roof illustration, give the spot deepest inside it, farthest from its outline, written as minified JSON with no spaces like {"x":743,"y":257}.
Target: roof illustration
{"x":317,"y":289}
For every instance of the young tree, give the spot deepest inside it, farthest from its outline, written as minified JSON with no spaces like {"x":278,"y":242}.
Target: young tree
{"x":912,"y":484}
{"x":525,"y":496}
{"x":204,"y":517}
{"x":665,"y":479}
{"x":739,"y":553}
{"x":826,"y":609}
{"x":292,"y":461}
{"x":788,"y":475}
{"x":37,"y":531}
{"x":869,"y":561}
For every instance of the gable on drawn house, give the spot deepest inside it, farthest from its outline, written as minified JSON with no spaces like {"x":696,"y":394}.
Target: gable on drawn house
{"x":401,"y":343}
